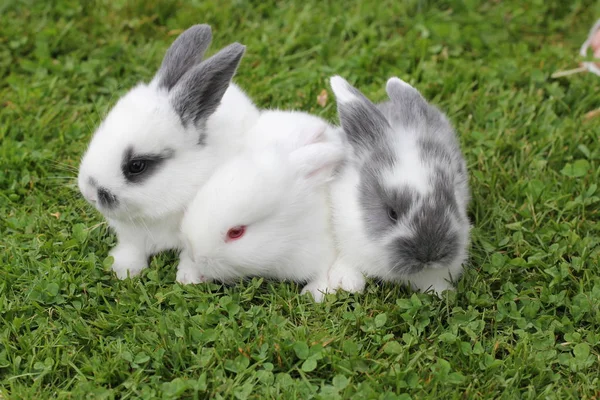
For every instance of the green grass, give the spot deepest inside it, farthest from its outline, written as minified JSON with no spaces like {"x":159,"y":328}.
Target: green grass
{"x":525,"y":320}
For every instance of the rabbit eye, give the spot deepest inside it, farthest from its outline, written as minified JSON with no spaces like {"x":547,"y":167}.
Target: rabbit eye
{"x":235,"y":233}
{"x":136,"y":166}
{"x":392,"y":214}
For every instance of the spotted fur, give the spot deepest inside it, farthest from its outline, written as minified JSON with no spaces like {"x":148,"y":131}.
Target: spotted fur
{"x":400,"y":202}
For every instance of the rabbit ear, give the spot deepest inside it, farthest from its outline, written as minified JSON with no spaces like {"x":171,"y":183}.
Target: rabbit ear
{"x":362,"y":121}
{"x":185,"y":52}
{"x":410,"y":105}
{"x":316,"y":162}
{"x":199,"y":92}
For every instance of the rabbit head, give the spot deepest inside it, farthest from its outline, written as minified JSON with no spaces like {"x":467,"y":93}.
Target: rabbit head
{"x":152,"y":151}
{"x":412,"y":186}
{"x":260,"y":209}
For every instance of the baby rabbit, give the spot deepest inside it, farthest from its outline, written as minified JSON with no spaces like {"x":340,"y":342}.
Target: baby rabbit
{"x":161,"y":142}
{"x":400,"y":202}
{"x":266,"y":212}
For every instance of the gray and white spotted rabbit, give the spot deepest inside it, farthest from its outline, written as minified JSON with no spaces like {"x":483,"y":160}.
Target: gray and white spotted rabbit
{"x":400,"y":202}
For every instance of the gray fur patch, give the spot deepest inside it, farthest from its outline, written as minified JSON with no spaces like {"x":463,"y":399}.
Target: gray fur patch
{"x":202,"y":136}
{"x":199,"y":92}
{"x":363,"y":123}
{"x":461,"y":168}
{"x":409,"y":106}
{"x":185,"y":52}
{"x":443,"y":191}
{"x":434,"y":151}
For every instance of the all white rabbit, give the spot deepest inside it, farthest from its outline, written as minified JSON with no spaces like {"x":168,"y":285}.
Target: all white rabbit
{"x":161,"y":142}
{"x":400,"y":202}
{"x":267,"y":212}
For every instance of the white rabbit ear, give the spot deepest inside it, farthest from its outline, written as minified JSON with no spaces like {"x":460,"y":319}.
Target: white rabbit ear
{"x":185,"y":52}
{"x":362,"y":121}
{"x":316,"y":162}
{"x":199,"y":92}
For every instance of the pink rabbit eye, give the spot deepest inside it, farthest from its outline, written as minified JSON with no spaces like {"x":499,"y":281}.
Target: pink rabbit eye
{"x":236,"y":232}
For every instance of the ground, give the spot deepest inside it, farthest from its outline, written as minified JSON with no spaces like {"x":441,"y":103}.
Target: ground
{"x":524,"y":321}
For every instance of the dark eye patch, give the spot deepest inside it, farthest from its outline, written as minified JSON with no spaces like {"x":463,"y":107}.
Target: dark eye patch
{"x":382,"y":207}
{"x":137,"y":168}
{"x":401,"y":200}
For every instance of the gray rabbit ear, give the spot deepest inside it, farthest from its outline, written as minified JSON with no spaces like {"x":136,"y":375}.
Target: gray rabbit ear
{"x":362,"y":121}
{"x":185,"y":52}
{"x":199,"y":92}
{"x":410,"y":105}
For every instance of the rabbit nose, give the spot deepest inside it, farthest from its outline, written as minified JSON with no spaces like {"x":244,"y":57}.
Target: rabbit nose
{"x":106,"y":198}
{"x":423,"y":250}
{"x":435,"y":250}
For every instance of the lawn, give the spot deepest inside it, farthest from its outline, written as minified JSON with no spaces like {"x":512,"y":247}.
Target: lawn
{"x":524,"y":321}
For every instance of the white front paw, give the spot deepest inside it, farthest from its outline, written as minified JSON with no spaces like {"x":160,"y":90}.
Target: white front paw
{"x":187,"y":276}
{"x":128,"y":261}
{"x":342,"y":276}
{"x":430,"y":280}
{"x":188,"y":272}
{"x":437,"y":288}
{"x":317,"y":289}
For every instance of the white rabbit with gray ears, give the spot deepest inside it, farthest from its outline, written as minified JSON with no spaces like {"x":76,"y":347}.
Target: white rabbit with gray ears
{"x":400,"y":202}
{"x":160,"y":143}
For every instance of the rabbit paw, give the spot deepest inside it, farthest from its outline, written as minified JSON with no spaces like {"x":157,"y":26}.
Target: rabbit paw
{"x":317,"y":289}
{"x":128,"y":261}
{"x":190,"y":277}
{"x":189,"y":273}
{"x":341,"y":276}
{"x":434,"y":286}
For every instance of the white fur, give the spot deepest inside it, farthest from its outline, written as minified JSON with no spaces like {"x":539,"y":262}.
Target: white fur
{"x":356,"y":250}
{"x":342,"y":91}
{"x":409,"y":169}
{"x":148,"y":216}
{"x":277,"y":188}
{"x":396,"y":81}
